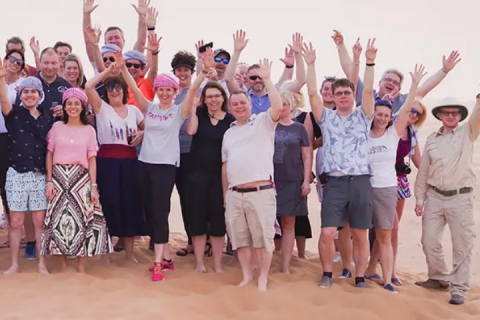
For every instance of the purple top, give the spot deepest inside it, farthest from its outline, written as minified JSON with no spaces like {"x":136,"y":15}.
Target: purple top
{"x":403,"y":150}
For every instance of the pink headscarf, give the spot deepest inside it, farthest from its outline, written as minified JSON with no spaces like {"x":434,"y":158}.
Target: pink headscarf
{"x":164,"y":80}
{"x":75,"y":93}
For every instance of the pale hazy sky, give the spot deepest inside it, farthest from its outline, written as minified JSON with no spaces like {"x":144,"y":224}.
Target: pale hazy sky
{"x":407,"y":32}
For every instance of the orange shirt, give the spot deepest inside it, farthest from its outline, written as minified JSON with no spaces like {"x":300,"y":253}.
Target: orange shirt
{"x":147,"y":89}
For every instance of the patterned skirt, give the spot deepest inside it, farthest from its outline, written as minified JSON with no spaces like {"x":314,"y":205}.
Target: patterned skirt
{"x":73,"y":225}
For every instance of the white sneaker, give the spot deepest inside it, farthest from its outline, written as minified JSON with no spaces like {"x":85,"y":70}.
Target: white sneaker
{"x":337,"y":258}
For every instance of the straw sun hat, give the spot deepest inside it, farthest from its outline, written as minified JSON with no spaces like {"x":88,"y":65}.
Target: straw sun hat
{"x":450,"y":103}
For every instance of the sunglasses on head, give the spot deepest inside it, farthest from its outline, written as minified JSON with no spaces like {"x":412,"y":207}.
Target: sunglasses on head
{"x":415,"y":112}
{"x":111,"y":59}
{"x":135,"y":65}
{"x":12,"y":59}
{"x":383,"y":103}
{"x":330,"y":79}
{"x":116,"y":88}
{"x":254,"y":78}
{"x":225,"y":61}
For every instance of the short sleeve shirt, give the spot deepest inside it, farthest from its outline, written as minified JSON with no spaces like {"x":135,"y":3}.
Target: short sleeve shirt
{"x":345,"y":142}
{"x":382,"y":154}
{"x":160,"y":141}
{"x":287,"y":159}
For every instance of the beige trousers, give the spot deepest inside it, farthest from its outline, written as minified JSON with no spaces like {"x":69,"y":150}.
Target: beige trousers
{"x":457,"y":212}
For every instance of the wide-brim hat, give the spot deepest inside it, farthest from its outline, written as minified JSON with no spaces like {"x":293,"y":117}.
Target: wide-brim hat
{"x":450,"y":103}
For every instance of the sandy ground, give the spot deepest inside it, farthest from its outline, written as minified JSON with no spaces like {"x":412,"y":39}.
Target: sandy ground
{"x":122,"y":291}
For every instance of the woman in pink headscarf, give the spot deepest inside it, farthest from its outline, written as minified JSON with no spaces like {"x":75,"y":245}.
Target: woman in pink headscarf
{"x":74,"y":223}
{"x":160,"y":153}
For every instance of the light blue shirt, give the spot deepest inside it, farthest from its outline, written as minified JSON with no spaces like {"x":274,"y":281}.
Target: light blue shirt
{"x":397,"y":102}
{"x":345,"y":140}
{"x":259,"y":103}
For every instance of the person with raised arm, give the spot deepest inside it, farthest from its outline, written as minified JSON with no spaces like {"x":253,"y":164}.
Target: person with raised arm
{"x":348,"y":191}
{"x":207,"y":123}
{"x":118,"y":125}
{"x":444,"y":190}
{"x":391,"y":83}
{"x":26,"y":176}
{"x":247,"y":179}
{"x":160,"y":153}
{"x":382,"y":149}
{"x":74,"y":223}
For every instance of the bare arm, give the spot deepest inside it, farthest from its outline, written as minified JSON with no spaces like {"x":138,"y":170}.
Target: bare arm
{"x":92,"y":38}
{"x":192,"y":121}
{"x":49,"y":165}
{"x":300,"y":78}
{"x":35,"y":46}
{"x":417,"y":156}
{"x":368,"y":100}
{"x":421,"y":186}
{"x":92,"y":94}
{"x":473,"y":121}
{"x":154,"y":49}
{"x":289,"y":62}
{"x":316,"y":102}
{"x":224,"y":182}
{"x":435,"y":79}
{"x":307,"y":157}
{"x":345,"y":60}
{"x":276,"y":105}
{"x":88,"y":7}
{"x":199,"y":66}
{"x":142,"y":102}
{"x":239,"y":43}
{"x":5,"y":101}
{"x":353,"y":75}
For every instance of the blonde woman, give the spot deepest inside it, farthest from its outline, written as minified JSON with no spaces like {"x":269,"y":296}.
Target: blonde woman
{"x":73,"y":71}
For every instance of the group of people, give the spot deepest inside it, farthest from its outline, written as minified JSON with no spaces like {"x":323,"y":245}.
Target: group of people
{"x":83,"y":161}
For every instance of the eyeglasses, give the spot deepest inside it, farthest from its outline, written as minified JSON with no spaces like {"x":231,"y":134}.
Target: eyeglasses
{"x":116,"y":88}
{"x":416,"y":113}
{"x":254,"y":78}
{"x":347,"y":93}
{"x":395,"y":82}
{"x":111,"y":59}
{"x":135,"y":65}
{"x":450,"y":113}
{"x":225,"y":61}
{"x":213,"y":96}
{"x":19,"y":62}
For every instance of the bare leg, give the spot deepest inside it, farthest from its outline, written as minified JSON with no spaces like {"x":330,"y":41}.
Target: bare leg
{"x":29,"y":228}
{"x":373,"y":262}
{"x":217,"y":249}
{"x":16,"y":224}
{"x":63,"y":262}
{"x":160,"y":249}
{"x":38,"y":218}
{"x":278,"y":244}
{"x":288,"y":242}
{"x":326,"y":247}
{"x":345,"y":245}
{"x":167,"y":255}
{"x":129,"y":244}
{"x":80,"y":265}
{"x":400,"y":207}
{"x":361,"y":251}
{"x":245,"y":259}
{"x":254,"y":259}
{"x":264,"y":260}
{"x":198,"y":251}
{"x":301,"y":245}
{"x":384,"y":241}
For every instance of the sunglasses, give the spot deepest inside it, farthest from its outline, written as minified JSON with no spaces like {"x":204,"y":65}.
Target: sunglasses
{"x":111,"y":59}
{"x":19,"y":62}
{"x":330,"y":79}
{"x":135,"y":65}
{"x":416,"y":113}
{"x":254,"y":78}
{"x":383,"y":103}
{"x":347,"y":93}
{"x":450,"y":113}
{"x":116,"y":88}
{"x":225,"y":61}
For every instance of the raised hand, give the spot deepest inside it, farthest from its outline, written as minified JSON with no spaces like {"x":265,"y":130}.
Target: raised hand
{"x":208,"y":59}
{"x":212,"y":74}
{"x":371,"y":52}
{"x":288,"y":60}
{"x":3,"y":72}
{"x":337,"y":38}
{"x":91,"y":35}
{"x":451,"y":62}
{"x":35,"y":45}
{"x":357,"y":50}
{"x":142,"y":8}
{"x":309,"y":54}
{"x":153,"y":43}
{"x":264,"y":70}
{"x":151,"y":18}
{"x":89,"y":6}
{"x":239,"y":41}
{"x":119,"y":62}
{"x":297,"y":43}
{"x":197,"y":46}
{"x":418,"y":74}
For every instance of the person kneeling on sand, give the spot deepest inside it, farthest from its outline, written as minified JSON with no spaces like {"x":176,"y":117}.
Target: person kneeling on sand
{"x":247,"y":179}
{"x":444,"y":193}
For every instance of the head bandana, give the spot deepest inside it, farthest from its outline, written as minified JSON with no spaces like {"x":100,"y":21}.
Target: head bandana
{"x":75,"y":93}
{"x":135,"y":55}
{"x":32,"y":83}
{"x":109,"y":48}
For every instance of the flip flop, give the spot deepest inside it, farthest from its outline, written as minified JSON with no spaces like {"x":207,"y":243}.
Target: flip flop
{"x":396,"y":282}
{"x":208,"y":249}
{"x":184,"y":252}
{"x":118,"y":248}
{"x":375,"y":278}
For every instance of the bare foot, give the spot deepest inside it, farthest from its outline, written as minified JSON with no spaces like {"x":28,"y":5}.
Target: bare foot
{"x":105,"y":259}
{"x":131,"y":259}
{"x":285,"y":272}
{"x":201,"y":268}
{"x":244,"y":282}
{"x":262,"y":284}
{"x":42,"y":269}
{"x":13,"y":269}
{"x":219,"y":269}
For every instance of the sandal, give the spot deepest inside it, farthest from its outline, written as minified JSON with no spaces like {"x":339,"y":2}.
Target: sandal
{"x":208,"y":249}
{"x":184,"y":252}
{"x":118,"y":248}
{"x":375,"y":278}
{"x":396,"y":282}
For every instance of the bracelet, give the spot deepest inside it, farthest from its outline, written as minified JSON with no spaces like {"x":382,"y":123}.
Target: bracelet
{"x":443,"y":70}
{"x":204,"y":72}
{"x":370,"y":64}
{"x":151,"y":29}
{"x":49,"y":183}
{"x":289,"y":67}
{"x":94,"y":185}
{"x":155,"y":53}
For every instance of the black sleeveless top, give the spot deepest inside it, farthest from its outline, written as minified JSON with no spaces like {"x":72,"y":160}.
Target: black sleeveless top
{"x":317,"y":133}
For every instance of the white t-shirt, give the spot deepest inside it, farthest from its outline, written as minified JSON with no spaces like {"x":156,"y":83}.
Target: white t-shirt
{"x":382,"y":154}
{"x":112,"y":129}
{"x":160,"y":141}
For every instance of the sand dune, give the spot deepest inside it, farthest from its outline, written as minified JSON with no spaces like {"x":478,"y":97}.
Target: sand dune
{"x":120,"y":291}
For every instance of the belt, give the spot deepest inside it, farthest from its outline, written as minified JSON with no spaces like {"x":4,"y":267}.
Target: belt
{"x":252,"y":189}
{"x":450,"y":193}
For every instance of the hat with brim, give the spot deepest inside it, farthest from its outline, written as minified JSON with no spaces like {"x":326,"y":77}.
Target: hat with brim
{"x":450,"y":103}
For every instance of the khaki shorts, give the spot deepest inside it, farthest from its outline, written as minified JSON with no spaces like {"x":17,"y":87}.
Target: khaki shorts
{"x":250,"y":218}
{"x":384,"y":207}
